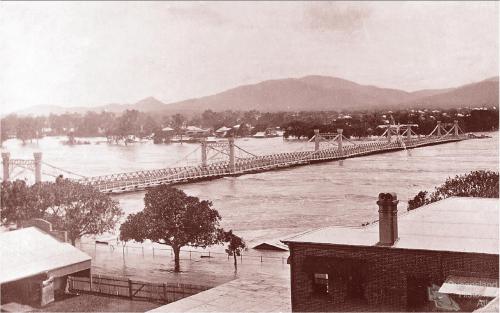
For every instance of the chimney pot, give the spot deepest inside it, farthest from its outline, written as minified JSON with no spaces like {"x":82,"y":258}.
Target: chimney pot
{"x":388,"y":218}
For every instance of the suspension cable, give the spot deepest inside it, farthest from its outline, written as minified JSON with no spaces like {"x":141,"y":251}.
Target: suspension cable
{"x":63,"y":170}
{"x":246,"y":151}
{"x":186,"y":156}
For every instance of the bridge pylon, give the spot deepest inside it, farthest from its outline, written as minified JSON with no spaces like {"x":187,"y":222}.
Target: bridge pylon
{"x":231,"y":154}
{"x":6,"y":166}
{"x":453,"y":130}
{"x":37,"y":156}
{"x":317,"y":139}
{"x":339,"y":138}
{"x":204,"y":152}
{"x":34,"y":165}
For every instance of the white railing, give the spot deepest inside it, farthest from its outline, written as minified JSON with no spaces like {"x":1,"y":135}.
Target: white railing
{"x":142,"y":179}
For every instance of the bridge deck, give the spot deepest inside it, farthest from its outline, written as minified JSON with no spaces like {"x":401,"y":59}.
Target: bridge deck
{"x":140,"y":180}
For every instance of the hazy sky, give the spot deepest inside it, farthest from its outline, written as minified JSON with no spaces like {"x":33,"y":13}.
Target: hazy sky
{"x":75,"y":54}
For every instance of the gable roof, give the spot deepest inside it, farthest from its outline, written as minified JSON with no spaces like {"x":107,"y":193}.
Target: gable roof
{"x":29,"y":251}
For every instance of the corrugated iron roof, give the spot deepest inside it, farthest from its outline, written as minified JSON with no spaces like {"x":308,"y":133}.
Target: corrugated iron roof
{"x":454,"y":224}
{"x":27,"y":252}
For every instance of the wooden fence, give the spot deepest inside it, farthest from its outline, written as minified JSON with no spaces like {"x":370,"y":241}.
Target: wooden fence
{"x":132,"y":289}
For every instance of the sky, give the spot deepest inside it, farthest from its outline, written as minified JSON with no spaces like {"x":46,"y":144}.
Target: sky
{"x":95,"y":53}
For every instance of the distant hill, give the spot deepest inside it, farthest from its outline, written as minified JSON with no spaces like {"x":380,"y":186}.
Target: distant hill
{"x":472,"y":95}
{"x":330,"y":93}
{"x":307,"y":93}
{"x":312,"y":93}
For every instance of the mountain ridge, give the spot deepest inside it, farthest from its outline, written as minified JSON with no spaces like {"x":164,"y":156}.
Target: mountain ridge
{"x":307,"y":93}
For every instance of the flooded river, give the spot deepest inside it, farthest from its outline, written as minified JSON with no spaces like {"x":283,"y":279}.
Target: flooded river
{"x":275,"y":204}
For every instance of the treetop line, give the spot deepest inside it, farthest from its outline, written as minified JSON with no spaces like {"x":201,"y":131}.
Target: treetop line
{"x":298,"y":124}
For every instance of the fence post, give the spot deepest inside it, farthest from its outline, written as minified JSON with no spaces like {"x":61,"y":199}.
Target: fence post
{"x":142,"y":251}
{"x":130,"y":291}
{"x":153,"y":252}
{"x":261,"y":259}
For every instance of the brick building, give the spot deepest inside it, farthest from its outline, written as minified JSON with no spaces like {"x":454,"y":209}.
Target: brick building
{"x":401,"y":262}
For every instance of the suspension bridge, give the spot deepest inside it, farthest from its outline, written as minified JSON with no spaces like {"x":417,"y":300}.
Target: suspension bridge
{"x":222,"y":159}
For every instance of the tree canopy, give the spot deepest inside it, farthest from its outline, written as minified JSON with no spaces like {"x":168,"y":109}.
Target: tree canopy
{"x":235,"y":245}
{"x":475,"y":184}
{"x":173,"y":218}
{"x":78,"y":209}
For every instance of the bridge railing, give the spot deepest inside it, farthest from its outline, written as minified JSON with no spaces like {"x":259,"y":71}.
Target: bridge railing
{"x":142,"y":179}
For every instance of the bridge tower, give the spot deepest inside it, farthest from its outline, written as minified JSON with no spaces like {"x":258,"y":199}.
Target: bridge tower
{"x":455,"y":127}
{"x":389,"y":134}
{"x":38,"y":166}
{"x":439,"y":128}
{"x":316,"y":139}
{"x":408,"y":132}
{"x":6,"y":164}
{"x":340,"y":131}
{"x":204,"y":152}
{"x":231,"y":154}
{"x":33,"y":165}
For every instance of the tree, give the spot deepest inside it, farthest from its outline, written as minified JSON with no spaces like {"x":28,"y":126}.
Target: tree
{"x":475,"y":184}
{"x":82,"y":210}
{"x":15,"y":203}
{"x":26,"y":129}
{"x":127,"y":124}
{"x":235,"y":246}
{"x":418,"y":201}
{"x":171,"y":217}
{"x":78,"y":209}
{"x":178,"y":122}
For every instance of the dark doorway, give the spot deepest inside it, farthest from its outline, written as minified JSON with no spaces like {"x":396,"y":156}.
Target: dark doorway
{"x":416,"y":292}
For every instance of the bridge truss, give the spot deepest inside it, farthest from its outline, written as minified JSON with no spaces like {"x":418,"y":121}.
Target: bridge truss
{"x":227,"y":159}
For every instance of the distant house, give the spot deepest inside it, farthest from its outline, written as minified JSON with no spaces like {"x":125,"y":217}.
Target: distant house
{"x":221,"y":132}
{"x":46,"y":130}
{"x":271,"y":245}
{"x":443,"y":256}
{"x":167,"y":131}
{"x":269,"y":132}
{"x":34,"y":266}
{"x":194,"y":131}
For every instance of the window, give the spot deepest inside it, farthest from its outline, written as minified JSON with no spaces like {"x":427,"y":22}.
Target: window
{"x":320,"y":284}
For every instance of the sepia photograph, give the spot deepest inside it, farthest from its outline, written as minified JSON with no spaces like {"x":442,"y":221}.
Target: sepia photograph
{"x":249,"y":156}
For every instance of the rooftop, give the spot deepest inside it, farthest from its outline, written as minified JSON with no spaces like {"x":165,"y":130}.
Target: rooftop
{"x":454,"y":224}
{"x":29,"y":251}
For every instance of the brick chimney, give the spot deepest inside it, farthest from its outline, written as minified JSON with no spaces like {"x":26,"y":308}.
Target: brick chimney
{"x":387,"y":218}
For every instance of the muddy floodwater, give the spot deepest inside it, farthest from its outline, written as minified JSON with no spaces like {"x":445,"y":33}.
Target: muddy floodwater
{"x":272,"y":205}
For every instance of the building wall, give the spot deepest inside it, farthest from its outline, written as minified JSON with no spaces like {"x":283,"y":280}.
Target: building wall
{"x":387,"y":272}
